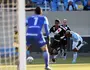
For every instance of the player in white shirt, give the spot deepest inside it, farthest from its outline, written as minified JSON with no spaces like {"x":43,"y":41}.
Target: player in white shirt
{"x":77,"y":43}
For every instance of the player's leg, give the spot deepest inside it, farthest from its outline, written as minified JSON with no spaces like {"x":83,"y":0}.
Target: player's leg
{"x":74,"y":57}
{"x":64,"y":49}
{"x":82,"y":43}
{"x":75,"y":54}
{"x":54,"y":55}
{"x":65,"y":52}
{"x":46,"y":56}
{"x":28,"y":45}
{"x":54,"y":51}
{"x":43,"y":45}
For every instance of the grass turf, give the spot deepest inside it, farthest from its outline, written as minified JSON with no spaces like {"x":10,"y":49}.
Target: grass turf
{"x":38,"y":64}
{"x":80,"y":60}
{"x":53,"y":66}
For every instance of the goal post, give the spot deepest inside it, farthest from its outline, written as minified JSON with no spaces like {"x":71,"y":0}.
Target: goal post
{"x":22,"y":33}
{"x":12,"y":35}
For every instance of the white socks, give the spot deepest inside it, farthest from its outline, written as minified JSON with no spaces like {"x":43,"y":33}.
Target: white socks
{"x":74,"y":57}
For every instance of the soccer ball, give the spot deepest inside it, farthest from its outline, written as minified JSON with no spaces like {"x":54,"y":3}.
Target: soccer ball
{"x":30,"y":59}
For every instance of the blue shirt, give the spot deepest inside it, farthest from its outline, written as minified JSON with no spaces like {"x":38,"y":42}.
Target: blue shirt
{"x":35,"y":24}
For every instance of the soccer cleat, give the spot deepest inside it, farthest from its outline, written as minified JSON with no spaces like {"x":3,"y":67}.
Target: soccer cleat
{"x":48,"y":68}
{"x":84,"y":42}
{"x":65,"y":57}
{"x":53,"y":60}
{"x":73,"y":62}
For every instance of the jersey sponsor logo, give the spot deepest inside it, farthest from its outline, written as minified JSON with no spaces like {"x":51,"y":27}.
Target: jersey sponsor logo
{"x":28,"y":34}
{"x":58,"y":30}
{"x":34,"y":27}
{"x":41,"y":41}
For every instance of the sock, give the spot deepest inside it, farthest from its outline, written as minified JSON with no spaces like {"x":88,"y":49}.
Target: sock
{"x":74,"y":56}
{"x":46,"y":58}
{"x":64,"y":53}
{"x":55,"y":56}
{"x":65,"y":56}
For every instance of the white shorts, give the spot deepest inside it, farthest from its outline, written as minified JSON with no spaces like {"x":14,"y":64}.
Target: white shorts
{"x":77,"y":45}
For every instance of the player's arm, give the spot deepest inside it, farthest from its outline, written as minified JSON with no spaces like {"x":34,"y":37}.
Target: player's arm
{"x":46,"y":27}
{"x":51,"y":29}
{"x":63,"y":31}
{"x":62,"y":27}
{"x":68,"y":28}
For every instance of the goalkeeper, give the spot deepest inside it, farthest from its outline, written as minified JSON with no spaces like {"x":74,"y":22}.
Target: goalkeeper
{"x":34,"y":34}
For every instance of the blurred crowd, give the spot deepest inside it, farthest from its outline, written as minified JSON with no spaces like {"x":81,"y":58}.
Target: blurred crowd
{"x":54,"y":5}
{"x":60,"y":5}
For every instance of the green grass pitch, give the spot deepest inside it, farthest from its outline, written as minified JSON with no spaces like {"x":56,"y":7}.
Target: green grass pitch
{"x":83,"y":63}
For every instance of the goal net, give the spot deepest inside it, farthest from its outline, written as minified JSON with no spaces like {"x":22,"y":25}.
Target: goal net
{"x":12,"y":35}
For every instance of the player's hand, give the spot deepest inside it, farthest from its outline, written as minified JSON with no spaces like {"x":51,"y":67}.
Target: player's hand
{"x":75,"y":50}
{"x":48,"y":40}
{"x":62,"y":37}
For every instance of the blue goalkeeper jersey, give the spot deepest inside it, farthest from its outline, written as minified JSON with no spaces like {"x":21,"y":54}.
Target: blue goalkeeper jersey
{"x":35,"y":24}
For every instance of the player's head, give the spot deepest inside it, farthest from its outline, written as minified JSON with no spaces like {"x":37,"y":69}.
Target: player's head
{"x":68,"y":33}
{"x":65,"y":22}
{"x":57,"y":22}
{"x":38,"y":11}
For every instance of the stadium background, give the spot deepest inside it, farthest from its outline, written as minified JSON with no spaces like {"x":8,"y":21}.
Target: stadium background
{"x":78,"y":22}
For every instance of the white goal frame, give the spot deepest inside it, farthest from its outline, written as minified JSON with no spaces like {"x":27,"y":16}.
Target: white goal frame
{"x":22,"y":34}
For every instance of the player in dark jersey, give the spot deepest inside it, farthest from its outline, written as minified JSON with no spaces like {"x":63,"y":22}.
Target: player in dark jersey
{"x":64,"y":40}
{"x":58,"y":36}
{"x":34,"y":34}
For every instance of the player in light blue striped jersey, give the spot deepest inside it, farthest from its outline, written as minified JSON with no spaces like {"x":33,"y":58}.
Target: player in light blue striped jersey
{"x":34,"y":35}
{"x":77,"y":43}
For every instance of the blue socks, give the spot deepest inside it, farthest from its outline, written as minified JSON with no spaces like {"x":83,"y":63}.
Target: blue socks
{"x":46,"y":58}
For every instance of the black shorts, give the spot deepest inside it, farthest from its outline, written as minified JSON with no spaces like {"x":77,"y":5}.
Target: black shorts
{"x":55,"y":44}
{"x":64,"y":42}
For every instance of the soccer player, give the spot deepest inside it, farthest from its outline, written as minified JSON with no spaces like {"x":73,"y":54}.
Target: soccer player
{"x":64,"y":25}
{"x":77,"y":43}
{"x":58,"y":36}
{"x":64,"y":40}
{"x":34,"y":33}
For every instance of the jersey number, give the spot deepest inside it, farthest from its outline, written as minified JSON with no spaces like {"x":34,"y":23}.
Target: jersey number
{"x":36,"y":20}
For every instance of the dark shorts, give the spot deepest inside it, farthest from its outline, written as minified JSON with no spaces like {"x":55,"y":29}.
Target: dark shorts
{"x":64,"y":42}
{"x":55,"y":44}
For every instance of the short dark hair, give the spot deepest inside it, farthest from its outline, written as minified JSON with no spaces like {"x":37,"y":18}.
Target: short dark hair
{"x":57,"y":20}
{"x":38,"y":10}
{"x":68,"y":32}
